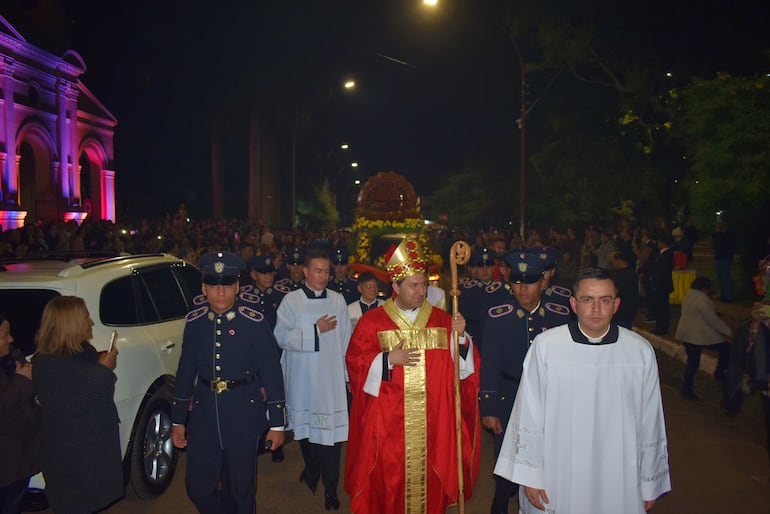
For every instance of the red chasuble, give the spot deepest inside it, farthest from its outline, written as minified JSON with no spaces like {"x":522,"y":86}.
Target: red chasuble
{"x":402,"y":455}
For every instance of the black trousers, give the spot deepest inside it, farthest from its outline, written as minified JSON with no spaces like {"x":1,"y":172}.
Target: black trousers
{"x":235,"y":469}
{"x":766,"y":410}
{"x":12,"y":495}
{"x":693,"y":361}
{"x":322,"y":462}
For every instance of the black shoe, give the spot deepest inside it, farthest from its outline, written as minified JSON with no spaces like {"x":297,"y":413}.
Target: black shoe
{"x":303,"y":479}
{"x":278,"y":455}
{"x":332,"y":502}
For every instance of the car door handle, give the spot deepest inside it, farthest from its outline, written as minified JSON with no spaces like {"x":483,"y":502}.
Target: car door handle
{"x":168,"y":347}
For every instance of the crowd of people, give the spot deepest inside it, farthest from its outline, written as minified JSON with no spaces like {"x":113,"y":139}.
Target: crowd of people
{"x":283,"y":337}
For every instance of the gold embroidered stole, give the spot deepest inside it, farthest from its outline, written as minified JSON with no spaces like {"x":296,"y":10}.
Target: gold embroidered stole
{"x":414,"y":335}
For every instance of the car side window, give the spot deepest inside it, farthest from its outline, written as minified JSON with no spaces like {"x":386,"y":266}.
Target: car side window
{"x":164,"y":293}
{"x":124,"y":302}
{"x":190,"y":280}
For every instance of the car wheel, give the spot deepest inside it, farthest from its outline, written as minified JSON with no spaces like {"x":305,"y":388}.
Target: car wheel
{"x":153,"y":456}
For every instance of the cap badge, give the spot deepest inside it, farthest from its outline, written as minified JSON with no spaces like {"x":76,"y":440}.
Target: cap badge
{"x":267,"y":262}
{"x":219,"y":267}
{"x":523,"y":267}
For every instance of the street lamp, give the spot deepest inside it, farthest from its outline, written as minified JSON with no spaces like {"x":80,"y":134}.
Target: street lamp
{"x":521,"y":122}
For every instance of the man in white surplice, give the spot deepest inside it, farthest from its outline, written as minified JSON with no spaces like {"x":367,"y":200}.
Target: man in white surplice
{"x":587,"y":432}
{"x":313,"y":330}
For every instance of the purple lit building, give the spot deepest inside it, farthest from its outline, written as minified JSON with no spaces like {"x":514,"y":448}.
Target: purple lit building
{"x":56,"y":138}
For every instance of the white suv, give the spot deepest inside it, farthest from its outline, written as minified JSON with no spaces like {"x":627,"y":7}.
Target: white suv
{"x":145,"y":299}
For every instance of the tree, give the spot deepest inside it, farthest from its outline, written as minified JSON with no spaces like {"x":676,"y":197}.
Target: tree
{"x":724,"y":124}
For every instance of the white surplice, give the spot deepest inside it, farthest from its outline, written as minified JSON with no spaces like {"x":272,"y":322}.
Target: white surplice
{"x":315,"y":379}
{"x":587,"y":424}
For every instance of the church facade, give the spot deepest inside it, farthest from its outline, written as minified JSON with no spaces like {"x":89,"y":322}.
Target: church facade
{"x":56,"y":138}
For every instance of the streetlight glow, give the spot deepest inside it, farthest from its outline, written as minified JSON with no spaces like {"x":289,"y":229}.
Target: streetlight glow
{"x":354,"y":164}
{"x":431,"y":3}
{"x":344,"y":146}
{"x":350,"y":84}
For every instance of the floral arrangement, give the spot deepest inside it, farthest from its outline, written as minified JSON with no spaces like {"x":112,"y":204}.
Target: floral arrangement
{"x":387,"y":205}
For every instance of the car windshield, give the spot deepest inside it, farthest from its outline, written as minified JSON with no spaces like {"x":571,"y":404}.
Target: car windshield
{"x":23,"y":308}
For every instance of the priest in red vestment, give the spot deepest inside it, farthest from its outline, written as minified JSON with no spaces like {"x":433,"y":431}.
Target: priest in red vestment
{"x":402,"y":450}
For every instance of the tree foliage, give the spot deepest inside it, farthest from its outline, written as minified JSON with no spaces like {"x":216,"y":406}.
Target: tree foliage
{"x":725,"y":125}
{"x":472,"y":197}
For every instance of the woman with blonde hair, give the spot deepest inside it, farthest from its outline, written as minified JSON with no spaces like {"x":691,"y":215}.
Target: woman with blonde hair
{"x":79,"y":442}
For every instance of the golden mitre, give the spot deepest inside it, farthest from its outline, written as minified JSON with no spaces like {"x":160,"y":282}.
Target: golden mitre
{"x":404,"y":260}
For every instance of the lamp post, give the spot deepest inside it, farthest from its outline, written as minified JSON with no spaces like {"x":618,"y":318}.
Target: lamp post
{"x":522,"y":123}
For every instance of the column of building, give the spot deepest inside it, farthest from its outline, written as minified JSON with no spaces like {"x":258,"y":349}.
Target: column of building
{"x":9,"y":185}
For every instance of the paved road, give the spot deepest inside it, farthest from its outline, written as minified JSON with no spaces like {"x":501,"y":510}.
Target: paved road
{"x":718,"y":463}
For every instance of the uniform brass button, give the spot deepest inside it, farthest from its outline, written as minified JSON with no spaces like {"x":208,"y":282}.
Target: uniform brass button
{"x":217,"y":344}
{"x":252,"y":401}
{"x":218,"y":368}
{"x":217,"y":356}
{"x":219,"y":332}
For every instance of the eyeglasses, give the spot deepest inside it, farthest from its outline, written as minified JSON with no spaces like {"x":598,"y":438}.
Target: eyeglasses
{"x":604,"y":301}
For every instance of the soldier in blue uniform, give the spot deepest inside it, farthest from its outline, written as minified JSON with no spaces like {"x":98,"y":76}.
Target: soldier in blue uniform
{"x":508,"y":331}
{"x":227,"y":344}
{"x":340,"y":281}
{"x":294,"y":262}
{"x":262,"y":290}
{"x":478,"y":295}
{"x":267,"y":296}
{"x":552,"y":293}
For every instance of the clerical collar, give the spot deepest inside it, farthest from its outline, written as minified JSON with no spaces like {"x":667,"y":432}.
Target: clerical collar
{"x":609,"y":337}
{"x":312,"y":294}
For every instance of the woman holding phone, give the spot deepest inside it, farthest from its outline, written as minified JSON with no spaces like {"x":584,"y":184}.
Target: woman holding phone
{"x":79,"y":442}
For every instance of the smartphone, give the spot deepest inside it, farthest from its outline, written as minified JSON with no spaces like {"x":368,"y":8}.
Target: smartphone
{"x":113,"y":338}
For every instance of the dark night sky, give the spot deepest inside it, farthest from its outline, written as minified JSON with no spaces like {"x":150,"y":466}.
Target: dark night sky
{"x":155,"y":64}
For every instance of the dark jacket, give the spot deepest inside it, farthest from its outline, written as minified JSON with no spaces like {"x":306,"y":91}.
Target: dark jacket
{"x":79,"y":442}
{"x":661,"y":280}
{"x":508,"y":333}
{"x":18,"y":424}
{"x":238,"y":347}
{"x":628,"y":290}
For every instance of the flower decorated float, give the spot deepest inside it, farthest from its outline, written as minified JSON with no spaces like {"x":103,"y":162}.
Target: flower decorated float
{"x":388,"y":210}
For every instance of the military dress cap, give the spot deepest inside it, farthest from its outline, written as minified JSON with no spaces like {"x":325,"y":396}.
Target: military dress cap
{"x":295,"y":256}
{"x":525,"y":267}
{"x":482,"y":257}
{"x":262,"y":263}
{"x":340,"y":256}
{"x":549,"y":255}
{"x":404,"y":260}
{"x":221,"y":268}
